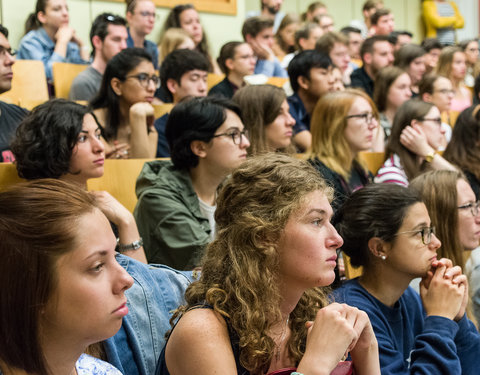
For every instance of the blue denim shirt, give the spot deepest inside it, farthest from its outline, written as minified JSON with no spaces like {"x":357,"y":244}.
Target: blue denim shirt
{"x":270,"y":68}
{"x":37,"y":45}
{"x":149,"y":46}
{"x":156,"y":292}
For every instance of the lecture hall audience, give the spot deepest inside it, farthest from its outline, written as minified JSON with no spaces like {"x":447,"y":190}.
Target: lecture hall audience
{"x":262,"y":168}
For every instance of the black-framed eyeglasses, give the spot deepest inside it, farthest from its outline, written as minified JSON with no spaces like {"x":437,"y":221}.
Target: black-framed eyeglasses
{"x":472,"y":206}
{"x":4,"y":51}
{"x":426,"y":234}
{"x":144,"y":79}
{"x":236,"y":135}
{"x":368,"y":117}
{"x":436,"y":120}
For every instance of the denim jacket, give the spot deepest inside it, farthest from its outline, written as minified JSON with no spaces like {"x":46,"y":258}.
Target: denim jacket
{"x":156,"y":292}
{"x":37,"y":45}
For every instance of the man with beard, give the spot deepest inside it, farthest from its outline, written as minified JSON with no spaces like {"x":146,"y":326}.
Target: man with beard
{"x":108,"y":36}
{"x":271,"y":10}
{"x":376,"y":53}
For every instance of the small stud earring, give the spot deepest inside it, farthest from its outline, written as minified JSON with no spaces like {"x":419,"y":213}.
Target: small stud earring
{"x":383,"y":257}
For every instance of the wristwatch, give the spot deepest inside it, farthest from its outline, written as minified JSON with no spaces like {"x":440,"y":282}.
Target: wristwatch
{"x":429,"y":157}
{"x":135,"y":245}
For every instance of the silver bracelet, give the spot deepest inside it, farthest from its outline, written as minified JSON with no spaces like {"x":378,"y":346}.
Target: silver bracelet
{"x":135,"y":245}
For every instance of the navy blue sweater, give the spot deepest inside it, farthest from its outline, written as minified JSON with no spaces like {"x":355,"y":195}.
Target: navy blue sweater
{"x":409,"y":342}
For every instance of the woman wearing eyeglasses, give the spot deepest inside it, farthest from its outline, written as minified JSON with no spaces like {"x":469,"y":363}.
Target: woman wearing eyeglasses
{"x":141,"y":18}
{"x":412,"y":146}
{"x":123,"y":107}
{"x":175,"y":212}
{"x":454,"y":211}
{"x":387,"y":230}
{"x":267,"y":118}
{"x":343,"y":124}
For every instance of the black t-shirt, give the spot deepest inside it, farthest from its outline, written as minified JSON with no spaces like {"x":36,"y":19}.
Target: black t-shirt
{"x":10,"y":117}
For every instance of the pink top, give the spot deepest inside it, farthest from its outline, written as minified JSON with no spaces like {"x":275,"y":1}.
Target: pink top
{"x":460,"y":104}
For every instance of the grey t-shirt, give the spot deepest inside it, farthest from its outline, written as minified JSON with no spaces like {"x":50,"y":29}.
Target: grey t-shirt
{"x":86,"y":85}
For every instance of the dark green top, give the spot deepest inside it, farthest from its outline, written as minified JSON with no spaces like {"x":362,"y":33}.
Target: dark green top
{"x":168,"y":216}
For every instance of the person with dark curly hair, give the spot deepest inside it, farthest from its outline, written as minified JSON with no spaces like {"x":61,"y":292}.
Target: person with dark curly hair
{"x":60,"y":139}
{"x":176,"y":199}
{"x":260,"y":305}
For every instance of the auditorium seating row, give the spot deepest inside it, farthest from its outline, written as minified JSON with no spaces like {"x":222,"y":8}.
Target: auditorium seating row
{"x":29,"y":84}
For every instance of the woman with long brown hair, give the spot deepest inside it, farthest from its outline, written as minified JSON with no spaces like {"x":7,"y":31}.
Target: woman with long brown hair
{"x":412,"y":146}
{"x":266,"y":117}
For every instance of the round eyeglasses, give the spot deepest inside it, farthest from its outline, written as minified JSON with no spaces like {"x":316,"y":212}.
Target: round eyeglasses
{"x":426,"y":234}
{"x":235,"y":134}
{"x":144,"y":79}
{"x":368,"y":117}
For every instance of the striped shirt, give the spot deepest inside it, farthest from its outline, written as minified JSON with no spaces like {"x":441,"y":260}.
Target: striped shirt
{"x":391,"y":172}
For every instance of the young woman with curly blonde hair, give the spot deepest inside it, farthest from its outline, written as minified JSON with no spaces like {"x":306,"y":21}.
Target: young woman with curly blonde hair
{"x":260,"y":305}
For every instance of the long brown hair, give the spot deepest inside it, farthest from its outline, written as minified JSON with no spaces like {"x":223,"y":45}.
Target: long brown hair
{"x":37,"y":226}
{"x":241,"y":266}
{"x":173,"y":20}
{"x":463,"y":149}
{"x":260,"y":105}
{"x":413,"y":109}
{"x":439,"y":193}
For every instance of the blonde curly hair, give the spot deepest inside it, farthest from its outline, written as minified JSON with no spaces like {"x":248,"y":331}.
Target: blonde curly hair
{"x":240,"y":270}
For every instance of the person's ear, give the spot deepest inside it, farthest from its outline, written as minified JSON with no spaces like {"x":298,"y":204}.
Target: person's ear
{"x":414,"y":123}
{"x":378,"y":247}
{"x":129,"y":16}
{"x":199,"y":148}
{"x":367,"y":57}
{"x":248,"y":38}
{"x":172,"y":85}
{"x":41,"y":17}
{"x":303,"y":82}
{"x":116,"y":85}
{"x":229,"y":63}
{"x":97,"y":42}
{"x":426,"y":97}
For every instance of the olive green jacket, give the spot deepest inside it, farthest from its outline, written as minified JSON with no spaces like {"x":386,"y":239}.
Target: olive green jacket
{"x":168,"y":216}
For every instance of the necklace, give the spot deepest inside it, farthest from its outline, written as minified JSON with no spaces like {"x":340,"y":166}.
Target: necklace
{"x":279,"y":344}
